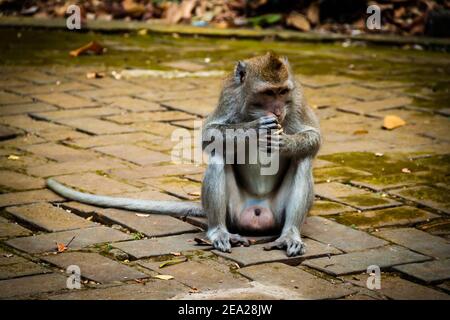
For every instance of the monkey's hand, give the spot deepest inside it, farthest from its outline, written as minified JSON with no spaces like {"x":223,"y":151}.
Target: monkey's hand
{"x":291,"y":241}
{"x":222,"y":240}
{"x":274,"y":141}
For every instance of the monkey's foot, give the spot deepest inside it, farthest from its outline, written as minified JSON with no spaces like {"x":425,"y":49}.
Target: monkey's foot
{"x":222,"y":240}
{"x":293,"y":244}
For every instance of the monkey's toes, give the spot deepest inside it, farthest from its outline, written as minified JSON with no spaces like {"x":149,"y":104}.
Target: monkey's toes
{"x":296,"y":248}
{"x":237,"y":239}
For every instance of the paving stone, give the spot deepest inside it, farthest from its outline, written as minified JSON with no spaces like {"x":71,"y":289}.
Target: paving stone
{"x":11,"y":229}
{"x":62,"y":135}
{"x":83,"y":238}
{"x":38,"y":77}
{"x":7,"y":98}
{"x":21,"y":269}
{"x":435,"y":198}
{"x":391,"y":181}
{"x":122,"y":90}
{"x":110,"y":139}
{"x":65,"y":100}
{"x":134,"y":154}
{"x":337,"y":174}
{"x":8,"y":133}
{"x":28,"y":286}
{"x":25,"y":197}
{"x":7,"y":258}
{"x":400,"y":289}
{"x":321,"y":81}
{"x":352,"y":196}
{"x":95,"y":126}
{"x":95,"y":267}
{"x":430,"y":271}
{"x":59,"y":152}
{"x":354,"y":262}
{"x":153,"y":171}
{"x":338,"y":235}
{"x":19,"y":181}
{"x":152,"y":225}
{"x":255,"y":254}
{"x":54,"y":87}
{"x":97,"y":184}
{"x":201,"y":107}
{"x":77,"y":166}
{"x":403,"y":215}
{"x":129,"y":118}
{"x":302,"y":283}
{"x":357,"y":92}
{"x":182,"y":188}
{"x":158,"y":128}
{"x":198,"y":275}
{"x":26,"y":108}
{"x":75,"y":113}
{"x":188,"y":124}
{"x":325,"y":208}
{"x":46,"y":217}
{"x":368,"y":107}
{"x":132,"y":104}
{"x":418,"y":241}
{"x":161,"y":246}
{"x":152,"y":290}
{"x":28,"y":124}
{"x":445,"y":286}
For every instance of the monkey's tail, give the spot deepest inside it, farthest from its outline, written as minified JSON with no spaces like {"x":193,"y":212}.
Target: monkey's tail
{"x":174,"y":208}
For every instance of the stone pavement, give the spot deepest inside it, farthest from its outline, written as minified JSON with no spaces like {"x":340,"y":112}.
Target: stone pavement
{"x":381,"y":196}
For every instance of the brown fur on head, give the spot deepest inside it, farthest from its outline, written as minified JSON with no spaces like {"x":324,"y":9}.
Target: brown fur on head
{"x":266,"y":85}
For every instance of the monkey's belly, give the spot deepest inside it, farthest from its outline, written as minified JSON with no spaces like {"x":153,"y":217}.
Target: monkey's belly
{"x":250,"y":178}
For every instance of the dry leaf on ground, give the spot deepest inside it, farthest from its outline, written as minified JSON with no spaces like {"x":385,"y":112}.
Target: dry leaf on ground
{"x":392,"y":121}
{"x":91,"y":47}
{"x":163,"y":277}
{"x":298,"y":21}
{"x":172,"y":262}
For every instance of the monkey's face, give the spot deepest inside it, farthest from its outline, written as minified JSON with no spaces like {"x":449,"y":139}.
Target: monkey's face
{"x":266,"y":84}
{"x":270,"y":100}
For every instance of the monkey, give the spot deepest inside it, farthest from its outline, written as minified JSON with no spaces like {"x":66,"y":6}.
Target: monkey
{"x":260,"y":94}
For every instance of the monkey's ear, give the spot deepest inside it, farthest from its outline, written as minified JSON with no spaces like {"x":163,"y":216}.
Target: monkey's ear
{"x":240,"y":71}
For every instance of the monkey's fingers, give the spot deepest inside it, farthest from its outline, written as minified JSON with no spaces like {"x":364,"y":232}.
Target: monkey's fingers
{"x":268,"y":119}
{"x":236,"y":239}
{"x":277,"y":244}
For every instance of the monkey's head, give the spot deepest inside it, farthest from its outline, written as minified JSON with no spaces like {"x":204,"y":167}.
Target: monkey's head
{"x":267,"y":85}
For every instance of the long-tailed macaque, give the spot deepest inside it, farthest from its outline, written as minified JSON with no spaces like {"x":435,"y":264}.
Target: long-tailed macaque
{"x":261,"y":94}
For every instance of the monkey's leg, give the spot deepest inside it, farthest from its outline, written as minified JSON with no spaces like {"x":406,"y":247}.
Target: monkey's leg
{"x":295,"y":197}
{"x":215,"y":197}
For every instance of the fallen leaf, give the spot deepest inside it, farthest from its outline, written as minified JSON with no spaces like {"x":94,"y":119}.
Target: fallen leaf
{"x":194,"y":193}
{"x":91,"y":47}
{"x":172,"y":262}
{"x":360,"y":131}
{"x":142,"y":215}
{"x":313,"y":13}
{"x":379,"y":154}
{"x":13,"y":157}
{"x":194,"y":290}
{"x":298,"y":21}
{"x":392,"y":121}
{"x":8,"y":255}
{"x":61,"y":247}
{"x":202,"y":241}
{"x":95,"y":75}
{"x":176,"y":254}
{"x":163,"y":277}
{"x":89,"y":218}
{"x":133,"y":8}
{"x":406,"y":170}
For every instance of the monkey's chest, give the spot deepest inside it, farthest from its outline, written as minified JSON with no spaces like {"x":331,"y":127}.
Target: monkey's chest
{"x":260,"y":180}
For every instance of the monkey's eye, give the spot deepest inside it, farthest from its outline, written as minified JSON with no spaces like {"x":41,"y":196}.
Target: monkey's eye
{"x":269,"y":93}
{"x":284,"y":91}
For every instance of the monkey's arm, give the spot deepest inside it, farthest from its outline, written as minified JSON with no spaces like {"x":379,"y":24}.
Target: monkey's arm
{"x":304,"y":143}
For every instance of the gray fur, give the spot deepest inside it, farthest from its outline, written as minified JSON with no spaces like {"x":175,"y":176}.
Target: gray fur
{"x":173,"y":208}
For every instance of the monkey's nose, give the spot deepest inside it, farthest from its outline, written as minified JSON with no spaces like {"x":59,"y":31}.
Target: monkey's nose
{"x":257,"y":212}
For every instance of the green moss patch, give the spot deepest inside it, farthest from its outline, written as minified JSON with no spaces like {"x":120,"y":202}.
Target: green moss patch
{"x":386,"y":217}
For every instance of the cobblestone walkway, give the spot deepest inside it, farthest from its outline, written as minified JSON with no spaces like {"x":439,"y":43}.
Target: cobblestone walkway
{"x":381,"y":196}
